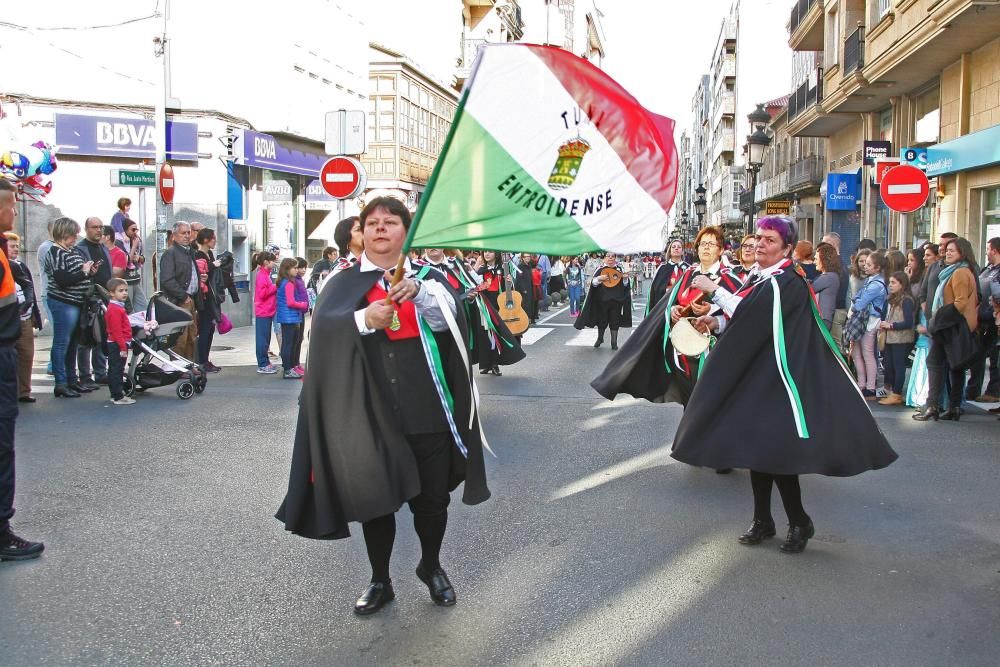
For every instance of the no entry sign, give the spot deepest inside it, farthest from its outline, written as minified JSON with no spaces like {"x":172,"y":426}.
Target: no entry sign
{"x":343,"y":177}
{"x":166,"y":183}
{"x":904,"y":189}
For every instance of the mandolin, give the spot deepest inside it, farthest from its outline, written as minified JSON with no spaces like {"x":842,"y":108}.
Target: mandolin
{"x":614,"y":276}
{"x":511,"y":312}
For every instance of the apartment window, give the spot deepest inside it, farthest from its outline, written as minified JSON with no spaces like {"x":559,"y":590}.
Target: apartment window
{"x":832,"y":55}
{"x":928,"y":116}
{"x":883,"y":8}
{"x":885,"y":125}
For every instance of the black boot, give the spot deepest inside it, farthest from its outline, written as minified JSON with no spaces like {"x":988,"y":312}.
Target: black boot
{"x":614,"y":339}
{"x":600,"y":338}
{"x":951,"y":414}
{"x":929,"y":413}
{"x":65,"y":391}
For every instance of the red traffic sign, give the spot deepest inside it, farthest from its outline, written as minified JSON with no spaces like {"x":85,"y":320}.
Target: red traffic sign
{"x":904,"y":189}
{"x":165,"y":183}
{"x":343,"y":177}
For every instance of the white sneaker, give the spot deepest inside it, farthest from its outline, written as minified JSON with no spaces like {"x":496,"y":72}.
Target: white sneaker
{"x":270,"y":369}
{"x":124,"y":400}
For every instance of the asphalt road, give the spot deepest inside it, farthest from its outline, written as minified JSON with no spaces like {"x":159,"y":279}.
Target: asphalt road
{"x":596,"y":549}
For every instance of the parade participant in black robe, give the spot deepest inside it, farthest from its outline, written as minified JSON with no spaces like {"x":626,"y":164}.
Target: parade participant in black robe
{"x":667,"y":274}
{"x":747,"y":257}
{"x":522,"y":284}
{"x":387,"y":413}
{"x":777,"y":373}
{"x":607,"y":307}
{"x":648,"y":367}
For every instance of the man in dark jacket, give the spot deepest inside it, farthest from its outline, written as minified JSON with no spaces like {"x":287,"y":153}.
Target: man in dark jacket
{"x":12,"y":547}
{"x":179,"y":280}
{"x":92,"y":363}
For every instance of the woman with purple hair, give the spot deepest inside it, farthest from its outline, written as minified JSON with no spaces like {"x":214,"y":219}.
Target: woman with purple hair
{"x":777,"y":372}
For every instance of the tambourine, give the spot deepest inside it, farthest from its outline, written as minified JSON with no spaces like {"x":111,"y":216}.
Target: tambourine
{"x":613,"y":274}
{"x":687,"y":339}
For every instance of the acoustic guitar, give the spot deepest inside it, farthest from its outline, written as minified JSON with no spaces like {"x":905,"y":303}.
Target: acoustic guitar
{"x":511,"y":312}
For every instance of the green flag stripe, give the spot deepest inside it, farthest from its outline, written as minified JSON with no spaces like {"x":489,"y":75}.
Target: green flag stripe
{"x":477,"y":181}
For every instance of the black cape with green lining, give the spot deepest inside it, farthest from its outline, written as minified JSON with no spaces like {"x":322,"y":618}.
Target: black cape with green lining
{"x":350,"y":459}
{"x":745,"y":413}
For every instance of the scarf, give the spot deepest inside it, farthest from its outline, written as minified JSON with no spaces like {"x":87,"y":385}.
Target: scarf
{"x":944,"y":277}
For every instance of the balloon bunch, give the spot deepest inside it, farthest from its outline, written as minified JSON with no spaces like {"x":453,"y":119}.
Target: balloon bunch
{"x":28,"y":167}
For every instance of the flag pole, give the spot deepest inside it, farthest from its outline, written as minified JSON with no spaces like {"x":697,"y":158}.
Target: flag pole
{"x":408,"y":243}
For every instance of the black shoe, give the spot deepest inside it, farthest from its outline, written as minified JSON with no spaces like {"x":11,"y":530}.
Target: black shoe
{"x":758,"y":531}
{"x":65,"y":392}
{"x":927,"y":415}
{"x":374,"y":597}
{"x":13,"y":547}
{"x":27,"y":399}
{"x":994,"y":411}
{"x":723,"y":471}
{"x":102,"y":381}
{"x":79,"y":388}
{"x":496,"y":371}
{"x":614,"y":339}
{"x":600,"y":341}
{"x":795,"y":543}
{"x":950,"y":415}
{"x":486,"y":371}
{"x":211,"y":368}
{"x":437,"y":583}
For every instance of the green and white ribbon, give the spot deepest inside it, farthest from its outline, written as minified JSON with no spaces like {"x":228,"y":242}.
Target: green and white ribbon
{"x":781,"y":358}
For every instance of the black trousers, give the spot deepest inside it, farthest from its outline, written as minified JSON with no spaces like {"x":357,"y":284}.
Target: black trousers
{"x":937,"y":371}
{"x":206,"y":334}
{"x":116,"y":370}
{"x":429,"y":507}
{"x":988,"y":353}
{"x":8,"y":415}
{"x":791,"y":497}
{"x":608,"y":315}
{"x":894,"y":356}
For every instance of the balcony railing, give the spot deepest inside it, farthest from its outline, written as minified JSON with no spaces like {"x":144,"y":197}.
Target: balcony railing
{"x":806,"y":95}
{"x":807,"y":171}
{"x":799,"y":11}
{"x":854,"y":51}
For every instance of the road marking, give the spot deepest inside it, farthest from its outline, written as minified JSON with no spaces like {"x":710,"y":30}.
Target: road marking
{"x":585,"y":338}
{"x":905,"y":189}
{"x":534,"y":334}
{"x":558,"y":312}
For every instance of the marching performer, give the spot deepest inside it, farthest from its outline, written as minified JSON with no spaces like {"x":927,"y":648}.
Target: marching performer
{"x":667,"y":273}
{"x":609,"y":302}
{"x":777,"y":372}
{"x":350,"y":242}
{"x":649,"y":366}
{"x":388,"y":414}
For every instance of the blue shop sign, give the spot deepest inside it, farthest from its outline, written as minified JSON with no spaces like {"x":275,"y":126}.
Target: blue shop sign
{"x":842,"y":192}
{"x":979,"y":149}
{"x":266,"y":152}
{"x":110,"y":136}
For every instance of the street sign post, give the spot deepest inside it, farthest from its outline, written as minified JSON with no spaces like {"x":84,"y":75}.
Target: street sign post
{"x":904,"y":189}
{"x":343,"y":177}
{"x":133,"y":178}
{"x":166,"y":184}
{"x":345,"y":132}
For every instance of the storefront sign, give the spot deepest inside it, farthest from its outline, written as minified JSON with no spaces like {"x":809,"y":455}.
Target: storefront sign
{"x":255,"y":149}
{"x":777,"y":207}
{"x":317,"y":198}
{"x":915,"y":157}
{"x":108,"y":136}
{"x":133,"y":178}
{"x":277,"y":191}
{"x":842,"y":192}
{"x":876,"y":150}
{"x":979,"y":149}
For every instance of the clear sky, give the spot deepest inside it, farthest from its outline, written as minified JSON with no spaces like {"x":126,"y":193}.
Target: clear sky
{"x":658,"y":49}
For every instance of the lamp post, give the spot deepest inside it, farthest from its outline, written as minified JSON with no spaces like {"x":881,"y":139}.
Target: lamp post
{"x":700,"y":204}
{"x":684,"y":228}
{"x":756,"y":147}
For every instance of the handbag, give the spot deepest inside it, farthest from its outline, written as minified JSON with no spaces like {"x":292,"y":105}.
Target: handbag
{"x":225,"y":325}
{"x":856,"y":327}
{"x":687,"y":340}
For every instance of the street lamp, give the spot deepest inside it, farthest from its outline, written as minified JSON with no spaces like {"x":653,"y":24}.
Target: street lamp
{"x":700,"y":204}
{"x":684,"y":228}
{"x":756,"y":147}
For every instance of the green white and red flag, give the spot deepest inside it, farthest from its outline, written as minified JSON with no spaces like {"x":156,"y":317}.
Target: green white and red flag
{"x":548,"y":154}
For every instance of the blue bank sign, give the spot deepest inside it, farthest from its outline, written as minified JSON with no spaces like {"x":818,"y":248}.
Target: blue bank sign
{"x":266,"y":152}
{"x":842,"y":192}
{"x":979,"y":149}
{"x":110,"y":136}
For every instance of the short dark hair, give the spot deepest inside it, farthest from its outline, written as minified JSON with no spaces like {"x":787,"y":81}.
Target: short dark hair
{"x":342,"y":233}
{"x":128,"y":222}
{"x":327,"y":251}
{"x":108,"y":232}
{"x":301,"y":263}
{"x":867,"y":244}
{"x":204,"y":235}
{"x":948,"y":235}
{"x":392,"y":205}
{"x":994,"y":243}
{"x":115,"y":283}
{"x":123,"y":202}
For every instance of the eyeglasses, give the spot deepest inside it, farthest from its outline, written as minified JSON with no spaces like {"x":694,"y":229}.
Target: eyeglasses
{"x":708,"y":244}
{"x":749,"y":246}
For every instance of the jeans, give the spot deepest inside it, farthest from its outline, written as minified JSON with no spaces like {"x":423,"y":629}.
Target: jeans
{"x":894,"y":356}
{"x":65,"y":318}
{"x":138,"y":297}
{"x":116,"y":370}
{"x":863,"y":354}
{"x":575,"y":296}
{"x":206,"y":333}
{"x":48,"y":316}
{"x":289,"y":333}
{"x":92,"y":363}
{"x":544,"y":301}
{"x":262,"y":330}
{"x":8,"y":415}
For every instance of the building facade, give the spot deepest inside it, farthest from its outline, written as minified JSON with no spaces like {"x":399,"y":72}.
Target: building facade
{"x":922,"y":75}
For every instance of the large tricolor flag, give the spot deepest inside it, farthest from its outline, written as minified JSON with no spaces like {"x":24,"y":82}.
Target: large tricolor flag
{"x":548,"y":154}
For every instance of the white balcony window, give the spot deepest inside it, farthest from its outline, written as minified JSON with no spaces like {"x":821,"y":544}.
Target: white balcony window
{"x":883,"y":8}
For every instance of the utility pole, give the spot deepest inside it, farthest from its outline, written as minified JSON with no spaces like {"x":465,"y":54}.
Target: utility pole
{"x":161,"y":50}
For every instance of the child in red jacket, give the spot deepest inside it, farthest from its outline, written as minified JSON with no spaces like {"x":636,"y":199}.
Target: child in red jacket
{"x":119,"y":337}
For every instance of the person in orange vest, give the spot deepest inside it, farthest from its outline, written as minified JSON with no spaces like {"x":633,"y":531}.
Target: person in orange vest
{"x":12,"y":547}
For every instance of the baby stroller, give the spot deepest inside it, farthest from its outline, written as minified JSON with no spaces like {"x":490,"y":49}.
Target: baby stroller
{"x":153,"y":363}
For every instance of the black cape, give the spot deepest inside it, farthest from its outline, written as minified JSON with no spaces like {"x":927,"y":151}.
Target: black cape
{"x":661,"y":283}
{"x":350,"y":459}
{"x":644,"y":367}
{"x":589,"y":317}
{"x":742,"y":416}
